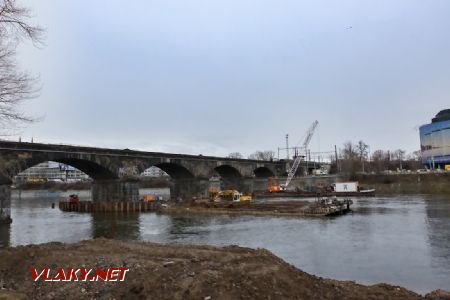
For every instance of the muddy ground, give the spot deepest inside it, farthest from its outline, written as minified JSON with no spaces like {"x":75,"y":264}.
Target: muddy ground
{"x":176,"y":272}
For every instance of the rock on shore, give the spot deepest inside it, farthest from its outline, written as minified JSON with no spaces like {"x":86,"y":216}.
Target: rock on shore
{"x":160,"y":271}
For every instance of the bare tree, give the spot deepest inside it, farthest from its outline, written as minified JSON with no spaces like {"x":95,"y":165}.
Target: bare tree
{"x":16,"y":86}
{"x":362,"y":148}
{"x":379,"y":159}
{"x":262,"y":155}
{"x":415,"y":155}
{"x":399,"y":155}
{"x":349,"y":151}
{"x":235,"y":155}
{"x":350,"y":158}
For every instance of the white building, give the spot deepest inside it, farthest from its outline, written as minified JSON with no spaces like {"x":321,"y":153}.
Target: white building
{"x":154,"y":172}
{"x":52,"y":171}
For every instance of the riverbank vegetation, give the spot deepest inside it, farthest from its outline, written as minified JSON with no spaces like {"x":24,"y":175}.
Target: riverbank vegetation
{"x":356,"y":158}
{"x":427,"y":183}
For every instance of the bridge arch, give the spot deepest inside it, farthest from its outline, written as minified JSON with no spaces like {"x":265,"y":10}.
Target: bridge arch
{"x":227,"y":171}
{"x":93,"y":169}
{"x":176,"y":171}
{"x":263,"y":172}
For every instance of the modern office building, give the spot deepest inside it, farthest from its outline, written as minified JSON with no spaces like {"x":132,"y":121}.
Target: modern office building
{"x":435,"y":141}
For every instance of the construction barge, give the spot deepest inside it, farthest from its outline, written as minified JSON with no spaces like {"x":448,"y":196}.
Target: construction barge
{"x":93,"y":207}
{"x":320,"y":208}
{"x":223,"y":202}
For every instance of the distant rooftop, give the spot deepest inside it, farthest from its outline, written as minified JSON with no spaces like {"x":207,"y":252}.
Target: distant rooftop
{"x":443,"y":115}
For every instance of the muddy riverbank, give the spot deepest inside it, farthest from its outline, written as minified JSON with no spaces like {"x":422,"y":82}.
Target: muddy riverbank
{"x":161,"y":271}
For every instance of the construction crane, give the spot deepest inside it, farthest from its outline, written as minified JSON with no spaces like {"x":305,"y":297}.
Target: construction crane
{"x":298,"y":159}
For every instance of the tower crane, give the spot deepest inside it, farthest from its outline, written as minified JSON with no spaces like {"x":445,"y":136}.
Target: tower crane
{"x":298,"y":159}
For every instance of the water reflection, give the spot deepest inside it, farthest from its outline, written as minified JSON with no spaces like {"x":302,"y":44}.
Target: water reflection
{"x":403,"y":240}
{"x":116,"y":226}
{"x":438,"y":224}
{"x":5,"y":233}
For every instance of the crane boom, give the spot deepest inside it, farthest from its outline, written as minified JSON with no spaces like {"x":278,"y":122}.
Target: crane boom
{"x":299,"y":158}
{"x":310,"y":133}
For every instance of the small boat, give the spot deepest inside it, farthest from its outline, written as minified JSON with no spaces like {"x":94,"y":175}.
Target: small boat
{"x":367,"y":191}
{"x":351,"y":189}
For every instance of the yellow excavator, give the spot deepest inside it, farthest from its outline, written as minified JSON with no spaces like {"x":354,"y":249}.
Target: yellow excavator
{"x":231,"y":195}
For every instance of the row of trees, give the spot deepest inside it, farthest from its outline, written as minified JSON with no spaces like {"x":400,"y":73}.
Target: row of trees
{"x":257,"y":155}
{"x":355,"y":158}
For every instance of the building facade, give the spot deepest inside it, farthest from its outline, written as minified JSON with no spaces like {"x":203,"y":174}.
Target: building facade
{"x":154,"y":172}
{"x":51,"y":171}
{"x":435,"y":141}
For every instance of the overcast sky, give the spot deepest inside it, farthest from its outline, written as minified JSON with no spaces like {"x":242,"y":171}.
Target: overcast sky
{"x":215,"y":77}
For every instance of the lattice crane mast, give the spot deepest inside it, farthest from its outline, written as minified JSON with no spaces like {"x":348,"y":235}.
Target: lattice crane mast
{"x":299,"y":158}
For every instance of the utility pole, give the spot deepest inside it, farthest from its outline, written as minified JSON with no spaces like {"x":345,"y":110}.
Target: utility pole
{"x":336,"y":156}
{"x":308,"y":159}
{"x":287,"y":146}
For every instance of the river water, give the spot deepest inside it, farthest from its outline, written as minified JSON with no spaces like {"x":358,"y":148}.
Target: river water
{"x":403,"y":240}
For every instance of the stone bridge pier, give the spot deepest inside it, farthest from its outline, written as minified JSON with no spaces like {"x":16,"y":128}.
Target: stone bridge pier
{"x":189,"y":187}
{"x":114,"y":190}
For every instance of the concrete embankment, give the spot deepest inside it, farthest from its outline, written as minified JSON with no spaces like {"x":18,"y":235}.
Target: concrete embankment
{"x":158,"y":271}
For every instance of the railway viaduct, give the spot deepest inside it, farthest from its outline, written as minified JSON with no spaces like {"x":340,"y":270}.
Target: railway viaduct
{"x":190,"y":174}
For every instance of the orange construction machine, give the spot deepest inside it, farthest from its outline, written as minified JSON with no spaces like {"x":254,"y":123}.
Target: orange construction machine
{"x":274,"y":187}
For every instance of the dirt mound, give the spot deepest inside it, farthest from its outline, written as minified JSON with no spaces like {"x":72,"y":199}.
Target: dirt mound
{"x":174,"y":272}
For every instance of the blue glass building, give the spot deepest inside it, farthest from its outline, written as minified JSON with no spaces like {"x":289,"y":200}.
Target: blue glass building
{"x":435,"y":141}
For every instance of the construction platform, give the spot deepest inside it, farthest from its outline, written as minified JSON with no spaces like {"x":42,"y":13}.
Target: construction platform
{"x":89,"y":206}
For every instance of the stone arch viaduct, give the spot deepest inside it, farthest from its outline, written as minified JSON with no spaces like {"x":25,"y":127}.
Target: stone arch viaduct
{"x":189,"y":173}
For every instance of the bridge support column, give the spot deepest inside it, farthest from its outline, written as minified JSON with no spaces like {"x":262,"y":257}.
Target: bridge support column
{"x":5,"y":204}
{"x":114,"y":191}
{"x":243,"y":185}
{"x":188,"y":188}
